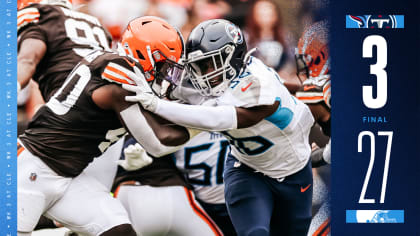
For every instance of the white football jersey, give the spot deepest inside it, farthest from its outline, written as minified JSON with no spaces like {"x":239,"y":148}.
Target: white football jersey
{"x":203,"y":159}
{"x":278,"y":145}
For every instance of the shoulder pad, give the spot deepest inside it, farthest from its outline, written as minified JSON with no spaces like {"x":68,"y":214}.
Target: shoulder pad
{"x":26,"y":16}
{"x":249,"y":90}
{"x":246,"y":89}
{"x":118,"y":69}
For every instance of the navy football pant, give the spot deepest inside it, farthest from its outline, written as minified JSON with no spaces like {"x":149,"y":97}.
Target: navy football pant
{"x":259,"y":205}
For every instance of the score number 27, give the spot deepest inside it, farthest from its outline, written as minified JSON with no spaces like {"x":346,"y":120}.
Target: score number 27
{"x":377,"y":69}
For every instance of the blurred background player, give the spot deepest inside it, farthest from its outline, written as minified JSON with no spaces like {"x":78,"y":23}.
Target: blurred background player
{"x":52,"y":39}
{"x":80,"y":121}
{"x":313,"y":69}
{"x":268,"y":178}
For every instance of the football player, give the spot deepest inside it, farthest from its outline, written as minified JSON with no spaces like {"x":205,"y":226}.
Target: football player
{"x":52,"y":39}
{"x":268,"y":175}
{"x":202,"y":159}
{"x":313,"y":70}
{"x":82,"y":119}
{"x":157,"y":197}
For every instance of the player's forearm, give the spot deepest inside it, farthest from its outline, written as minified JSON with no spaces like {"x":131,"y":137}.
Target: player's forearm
{"x":26,"y":69}
{"x":30,"y":53}
{"x":217,"y":118}
{"x":168,"y":133}
{"x":143,"y":133}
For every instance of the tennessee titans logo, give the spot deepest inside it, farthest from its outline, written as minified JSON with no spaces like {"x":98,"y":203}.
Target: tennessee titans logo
{"x":360,"y":20}
{"x":234,"y":32}
{"x":375,"y":21}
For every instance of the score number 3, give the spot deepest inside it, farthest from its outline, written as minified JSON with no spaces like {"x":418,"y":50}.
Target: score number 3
{"x":377,"y":69}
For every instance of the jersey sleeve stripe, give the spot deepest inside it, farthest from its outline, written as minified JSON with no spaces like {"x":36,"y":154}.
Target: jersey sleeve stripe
{"x":311,"y":98}
{"x":116,"y":73}
{"x":120,"y":68}
{"x":25,"y":19}
{"x":327,"y":87}
{"x":27,"y":10}
{"x":27,"y":15}
{"x":114,"y":79}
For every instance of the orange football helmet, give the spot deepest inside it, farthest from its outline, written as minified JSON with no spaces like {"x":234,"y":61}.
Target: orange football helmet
{"x":155,"y":44}
{"x":312,"y":57}
{"x":24,"y":3}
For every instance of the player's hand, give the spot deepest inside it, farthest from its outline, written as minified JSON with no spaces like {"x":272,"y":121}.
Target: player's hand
{"x":135,"y":158}
{"x":144,"y":93}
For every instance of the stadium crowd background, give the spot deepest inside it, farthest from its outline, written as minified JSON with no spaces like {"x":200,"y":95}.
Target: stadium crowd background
{"x":273,"y":26}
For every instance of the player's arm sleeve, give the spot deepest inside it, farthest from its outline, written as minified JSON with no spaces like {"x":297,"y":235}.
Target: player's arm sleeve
{"x":216,"y":118}
{"x":29,"y":27}
{"x":27,"y":16}
{"x":138,"y":126}
{"x":156,"y":136}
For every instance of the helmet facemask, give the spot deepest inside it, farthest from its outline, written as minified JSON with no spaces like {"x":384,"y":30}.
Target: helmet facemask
{"x":302,"y":69}
{"x":166,"y":75}
{"x":211,"y":71}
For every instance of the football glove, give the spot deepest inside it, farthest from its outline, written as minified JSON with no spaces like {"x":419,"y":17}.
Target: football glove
{"x":144,"y":94}
{"x":135,"y":158}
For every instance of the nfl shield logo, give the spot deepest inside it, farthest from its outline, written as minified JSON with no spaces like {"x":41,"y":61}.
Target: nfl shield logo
{"x":32,"y":177}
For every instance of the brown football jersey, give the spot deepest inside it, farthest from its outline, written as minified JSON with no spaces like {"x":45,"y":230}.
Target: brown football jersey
{"x":69,"y":36}
{"x":70,"y":130}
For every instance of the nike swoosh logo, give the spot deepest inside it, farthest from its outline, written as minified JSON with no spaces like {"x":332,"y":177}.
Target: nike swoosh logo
{"x":302,"y":190}
{"x":245,"y":88}
{"x":132,"y":64}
